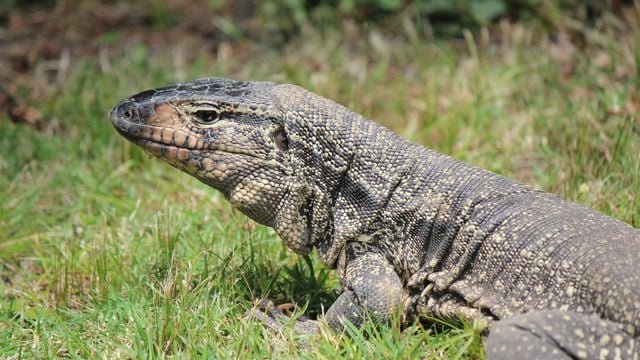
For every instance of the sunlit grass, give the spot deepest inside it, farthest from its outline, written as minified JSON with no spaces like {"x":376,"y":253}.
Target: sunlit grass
{"x":106,"y":253}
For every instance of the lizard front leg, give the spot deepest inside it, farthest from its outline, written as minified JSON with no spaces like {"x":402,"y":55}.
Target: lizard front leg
{"x":371,"y":288}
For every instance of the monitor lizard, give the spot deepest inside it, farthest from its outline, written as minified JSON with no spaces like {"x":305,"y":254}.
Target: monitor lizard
{"x":407,"y":229}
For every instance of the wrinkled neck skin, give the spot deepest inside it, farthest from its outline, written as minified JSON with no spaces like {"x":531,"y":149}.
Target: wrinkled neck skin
{"x":344,"y":162}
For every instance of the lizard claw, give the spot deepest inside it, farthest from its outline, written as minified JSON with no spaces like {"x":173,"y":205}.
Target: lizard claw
{"x":275,"y":317}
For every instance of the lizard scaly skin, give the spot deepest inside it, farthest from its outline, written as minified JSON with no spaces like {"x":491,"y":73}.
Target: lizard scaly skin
{"x":406,"y":228}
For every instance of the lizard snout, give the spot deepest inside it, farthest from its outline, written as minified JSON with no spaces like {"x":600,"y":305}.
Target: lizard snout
{"x":129,"y":117}
{"x":126,"y":111}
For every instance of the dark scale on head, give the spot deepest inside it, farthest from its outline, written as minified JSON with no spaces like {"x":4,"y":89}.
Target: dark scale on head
{"x":144,"y":95}
{"x":235,"y":92}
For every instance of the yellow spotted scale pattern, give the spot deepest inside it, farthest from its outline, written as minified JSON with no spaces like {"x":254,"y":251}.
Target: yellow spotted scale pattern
{"x":409,"y":230}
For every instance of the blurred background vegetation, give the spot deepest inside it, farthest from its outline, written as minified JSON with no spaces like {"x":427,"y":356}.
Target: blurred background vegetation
{"x":42,"y":41}
{"x":107,"y":254}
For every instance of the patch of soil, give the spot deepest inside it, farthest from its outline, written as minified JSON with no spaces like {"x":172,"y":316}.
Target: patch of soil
{"x":41,"y":43}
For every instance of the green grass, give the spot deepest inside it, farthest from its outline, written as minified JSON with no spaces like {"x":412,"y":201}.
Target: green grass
{"x":106,"y":253}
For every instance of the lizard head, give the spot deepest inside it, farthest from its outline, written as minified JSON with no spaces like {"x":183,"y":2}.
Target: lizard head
{"x":230,"y":135}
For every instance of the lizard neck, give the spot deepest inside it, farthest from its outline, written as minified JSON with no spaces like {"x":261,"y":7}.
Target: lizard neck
{"x":364,"y":179}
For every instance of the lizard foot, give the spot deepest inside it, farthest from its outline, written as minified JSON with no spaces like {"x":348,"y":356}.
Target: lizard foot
{"x":276,"y":317}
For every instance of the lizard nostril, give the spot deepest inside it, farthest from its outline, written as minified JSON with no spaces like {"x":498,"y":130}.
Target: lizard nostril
{"x":127,"y":114}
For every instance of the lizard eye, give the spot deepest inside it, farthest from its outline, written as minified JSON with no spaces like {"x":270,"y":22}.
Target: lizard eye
{"x":206,"y":116}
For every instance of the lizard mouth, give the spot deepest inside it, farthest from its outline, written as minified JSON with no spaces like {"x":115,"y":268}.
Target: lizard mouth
{"x":130,"y":120}
{"x":159,"y":140}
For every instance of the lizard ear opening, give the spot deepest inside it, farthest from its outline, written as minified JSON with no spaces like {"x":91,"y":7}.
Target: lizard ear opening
{"x":281,"y":139}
